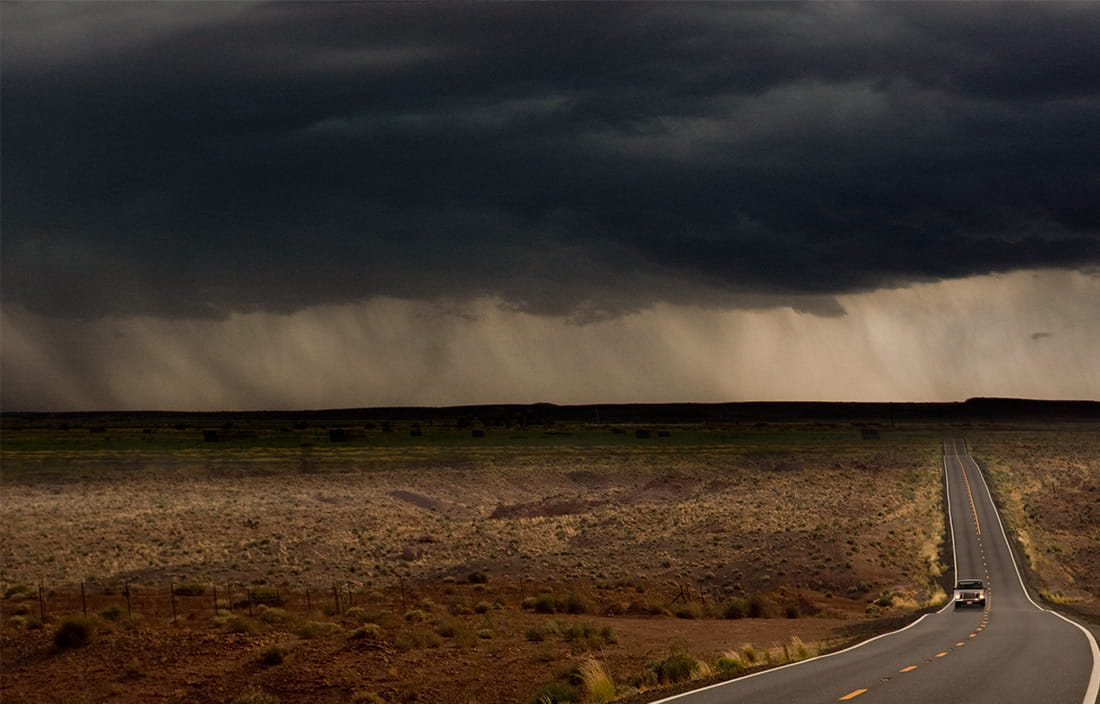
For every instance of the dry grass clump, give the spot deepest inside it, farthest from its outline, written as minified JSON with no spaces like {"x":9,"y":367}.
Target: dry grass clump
{"x":596,"y":681}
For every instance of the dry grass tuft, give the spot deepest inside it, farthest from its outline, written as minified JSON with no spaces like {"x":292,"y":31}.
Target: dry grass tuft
{"x":598,"y":685}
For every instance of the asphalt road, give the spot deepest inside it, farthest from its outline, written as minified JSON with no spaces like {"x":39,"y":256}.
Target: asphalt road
{"x":1011,"y":651}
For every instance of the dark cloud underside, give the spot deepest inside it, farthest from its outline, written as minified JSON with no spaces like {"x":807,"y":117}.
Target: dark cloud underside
{"x":200,"y":158}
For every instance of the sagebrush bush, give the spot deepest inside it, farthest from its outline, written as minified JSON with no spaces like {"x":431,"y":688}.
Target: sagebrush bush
{"x":546,"y":604}
{"x":316,"y":629}
{"x":416,"y":640}
{"x":368,"y":631}
{"x":266,"y":595}
{"x":273,"y":655}
{"x":688,"y":611}
{"x":572,"y":603}
{"x":189,"y":589}
{"x":74,"y":632}
{"x":589,"y":636}
{"x":556,"y":692}
{"x":271,"y":615}
{"x":111,"y":613}
{"x":20,"y":591}
{"x":243,"y":624}
{"x":676,"y":668}
{"x":735,"y":608}
{"x":762,"y":606}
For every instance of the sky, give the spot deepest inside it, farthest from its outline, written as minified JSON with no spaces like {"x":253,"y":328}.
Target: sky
{"x":235,"y":206}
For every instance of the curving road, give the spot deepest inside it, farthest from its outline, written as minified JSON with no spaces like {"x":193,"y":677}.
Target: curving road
{"x":1011,"y":651}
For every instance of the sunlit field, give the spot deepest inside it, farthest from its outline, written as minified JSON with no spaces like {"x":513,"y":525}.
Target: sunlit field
{"x":404,"y":560}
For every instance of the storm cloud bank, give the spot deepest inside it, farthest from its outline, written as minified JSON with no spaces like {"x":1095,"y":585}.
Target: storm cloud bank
{"x":1029,"y":334}
{"x":211,"y":160}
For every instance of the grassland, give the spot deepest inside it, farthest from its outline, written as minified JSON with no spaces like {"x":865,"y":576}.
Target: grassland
{"x":1048,"y":485}
{"x":481,"y":569}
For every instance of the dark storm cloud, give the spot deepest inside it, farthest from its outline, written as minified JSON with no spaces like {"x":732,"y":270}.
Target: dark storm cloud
{"x":197,"y":159}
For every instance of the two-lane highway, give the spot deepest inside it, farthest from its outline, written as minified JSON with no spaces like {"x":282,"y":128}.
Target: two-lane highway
{"x":1010,"y":651}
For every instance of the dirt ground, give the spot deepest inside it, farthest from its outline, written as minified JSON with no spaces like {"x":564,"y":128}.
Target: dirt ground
{"x":465,"y":575}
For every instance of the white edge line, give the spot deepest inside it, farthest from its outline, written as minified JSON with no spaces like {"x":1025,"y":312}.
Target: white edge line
{"x":838,"y":652}
{"x":950,"y":522}
{"x":784,"y":667}
{"x":1094,"y":680}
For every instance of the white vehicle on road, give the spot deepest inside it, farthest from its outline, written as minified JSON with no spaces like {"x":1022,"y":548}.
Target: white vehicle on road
{"x":969,"y":592}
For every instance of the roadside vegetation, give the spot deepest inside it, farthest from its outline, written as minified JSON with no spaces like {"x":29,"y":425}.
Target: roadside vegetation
{"x":547,"y":563}
{"x":1048,"y":487}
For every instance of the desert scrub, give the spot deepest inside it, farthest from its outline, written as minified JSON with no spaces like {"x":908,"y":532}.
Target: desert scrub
{"x":256,"y":696}
{"x":556,"y":692}
{"x":20,"y":591}
{"x":677,"y":667}
{"x":265,"y":595}
{"x":572,"y":603}
{"x":243,"y":624}
{"x":74,"y":632}
{"x":271,"y":615}
{"x":730,"y":661}
{"x":273,"y":655}
{"x":417,"y":640}
{"x":762,"y":606}
{"x":690,"y":611}
{"x":368,"y":631}
{"x":589,"y":636}
{"x":415,"y":615}
{"x":316,"y":629}
{"x":735,"y":608}
{"x":111,"y":613}
{"x":189,"y":589}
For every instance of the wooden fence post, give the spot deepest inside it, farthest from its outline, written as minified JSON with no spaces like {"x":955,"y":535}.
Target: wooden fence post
{"x":41,"y":604}
{"x":336,"y":597}
{"x":129,"y":609}
{"x":172,"y":593}
{"x":309,"y":602}
{"x":83,"y":600}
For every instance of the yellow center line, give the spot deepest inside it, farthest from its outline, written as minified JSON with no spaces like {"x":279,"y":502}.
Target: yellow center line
{"x":973,"y":508}
{"x":960,"y":643}
{"x":908,"y":669}
{"x":852,"y":695}
{"x":940,"y":655}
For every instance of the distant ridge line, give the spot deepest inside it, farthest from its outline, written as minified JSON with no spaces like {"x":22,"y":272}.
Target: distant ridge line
{"x":979,"y":409}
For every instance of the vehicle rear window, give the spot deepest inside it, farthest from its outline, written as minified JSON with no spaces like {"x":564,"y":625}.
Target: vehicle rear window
{"x":971,"y":584}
